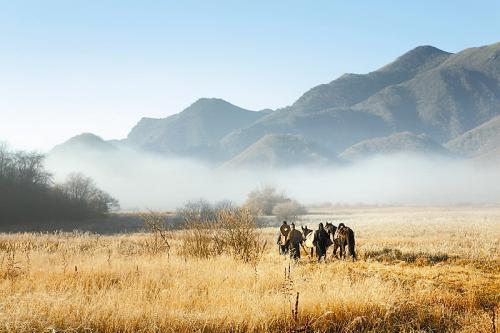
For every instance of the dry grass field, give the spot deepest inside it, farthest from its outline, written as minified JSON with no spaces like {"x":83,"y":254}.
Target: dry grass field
{"x":418,"y":270}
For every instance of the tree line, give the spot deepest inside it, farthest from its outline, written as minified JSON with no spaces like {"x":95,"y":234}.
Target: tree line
{"x":28,"y":192}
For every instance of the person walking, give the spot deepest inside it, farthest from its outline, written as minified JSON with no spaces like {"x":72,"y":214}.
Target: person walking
{"x":294,"y":240}
{"x":282,"y":242}
{"x":321,"y":239}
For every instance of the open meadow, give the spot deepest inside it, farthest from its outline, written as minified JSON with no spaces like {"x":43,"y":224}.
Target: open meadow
{"x":419,"y":269}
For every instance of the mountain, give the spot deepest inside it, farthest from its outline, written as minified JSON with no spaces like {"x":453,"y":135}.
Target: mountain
{"x":281,"y":151}
{"x":351,"y":89}
{"x":457,"y":95}
{"x":84,"y":142}
{"x":194,"y":131}
{"x":482,"y":142}
{"x":404,"y":142}
{"x":425,"y":90}
{"x":332,"y":130}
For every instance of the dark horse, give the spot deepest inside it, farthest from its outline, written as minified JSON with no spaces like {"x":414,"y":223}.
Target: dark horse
{"x":341,"y":237}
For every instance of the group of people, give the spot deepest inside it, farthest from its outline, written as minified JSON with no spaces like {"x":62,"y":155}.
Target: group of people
{"x":290,"y":240}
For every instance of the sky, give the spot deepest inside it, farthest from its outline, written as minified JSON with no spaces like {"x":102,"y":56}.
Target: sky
{"x":68,"y":67}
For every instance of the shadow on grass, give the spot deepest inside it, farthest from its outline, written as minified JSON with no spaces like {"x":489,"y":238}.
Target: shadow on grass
{"x":391,"y":255}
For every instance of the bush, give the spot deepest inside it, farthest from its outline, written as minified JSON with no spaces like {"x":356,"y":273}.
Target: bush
{"x":237,"y":234}
{"x":200,"y":211}
{"x":156,"y":224}
{"x":262,"y":201}
{"x":289,"y":210}
{"x":212,"y":231}
{"x":199,"y":219}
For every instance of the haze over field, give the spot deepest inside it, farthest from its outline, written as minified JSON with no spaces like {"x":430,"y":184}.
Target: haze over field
{"x":141,"y":180}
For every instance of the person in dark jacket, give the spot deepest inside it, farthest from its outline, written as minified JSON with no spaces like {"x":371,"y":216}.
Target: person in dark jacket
{"x":294,"y":240}
{"x":321,"y":242}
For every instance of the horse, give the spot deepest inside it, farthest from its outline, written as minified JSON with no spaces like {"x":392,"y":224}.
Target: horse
{"x":308,"y":239}
{"x":341,"y":237}
{"x":330,"y":228}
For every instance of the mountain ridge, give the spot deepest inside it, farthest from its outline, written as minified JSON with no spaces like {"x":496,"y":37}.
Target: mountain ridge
{"x":202,"y":124}
{"x":281,"y":151}
{"x":426,"y":90}
{"x":396,"y":143}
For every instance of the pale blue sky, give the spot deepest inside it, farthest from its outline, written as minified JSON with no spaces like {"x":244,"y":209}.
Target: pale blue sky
{"x":99,"y":66}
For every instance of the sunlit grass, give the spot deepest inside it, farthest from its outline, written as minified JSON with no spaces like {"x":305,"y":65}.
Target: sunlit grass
{"x":418,"y":270}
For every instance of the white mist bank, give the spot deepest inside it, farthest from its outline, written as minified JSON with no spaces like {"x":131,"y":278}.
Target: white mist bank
{"x":142,"y":181}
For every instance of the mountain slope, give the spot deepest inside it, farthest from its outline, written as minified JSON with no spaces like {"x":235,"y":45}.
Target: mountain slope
{"x":482,"y":140}
{"x":198,"y":127}
{"x":280,"y":150}
{"x":331,"y":129}
{"x":404,"y":142}
{"x":350,"y":89}
{"x":447,"y":100}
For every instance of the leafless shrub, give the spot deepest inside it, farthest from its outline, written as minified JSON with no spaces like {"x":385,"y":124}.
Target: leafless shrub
{"x":200,"y":240}
{"x":200,"y":219}
{"x":261,"y":201}
{"x":199,"y":211}
{"x":156,"y":224}
{"x":289,"y":210}
{"x":238,"y":234}
{"x":212,"y":231}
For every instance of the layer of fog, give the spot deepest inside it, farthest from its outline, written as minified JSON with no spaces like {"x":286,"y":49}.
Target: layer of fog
{"x":142,"y":181}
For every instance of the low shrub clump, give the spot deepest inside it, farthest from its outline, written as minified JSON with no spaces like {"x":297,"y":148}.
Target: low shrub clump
{"x":231,"y":231}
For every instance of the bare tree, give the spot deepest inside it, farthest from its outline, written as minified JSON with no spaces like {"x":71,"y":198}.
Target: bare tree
{"x":261,"y":201}
{"x":289,"y":210}
{"x":200,"y":211}
{"x":6,"y":161}
{"x":79,"y":187}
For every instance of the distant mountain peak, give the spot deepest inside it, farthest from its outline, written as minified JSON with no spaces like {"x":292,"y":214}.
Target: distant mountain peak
{"x":84,"y":141}
{"x":421,"y":57}
{"x":212,"y":105}
{"x":425,"y":50}
{"x":86,"y":137}
{"x":350,"y":89}
{"x":210,"y":100}
{"x":199,"y":126}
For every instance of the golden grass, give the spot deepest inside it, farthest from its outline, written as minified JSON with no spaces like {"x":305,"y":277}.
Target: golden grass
{"x":419,"y":270}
